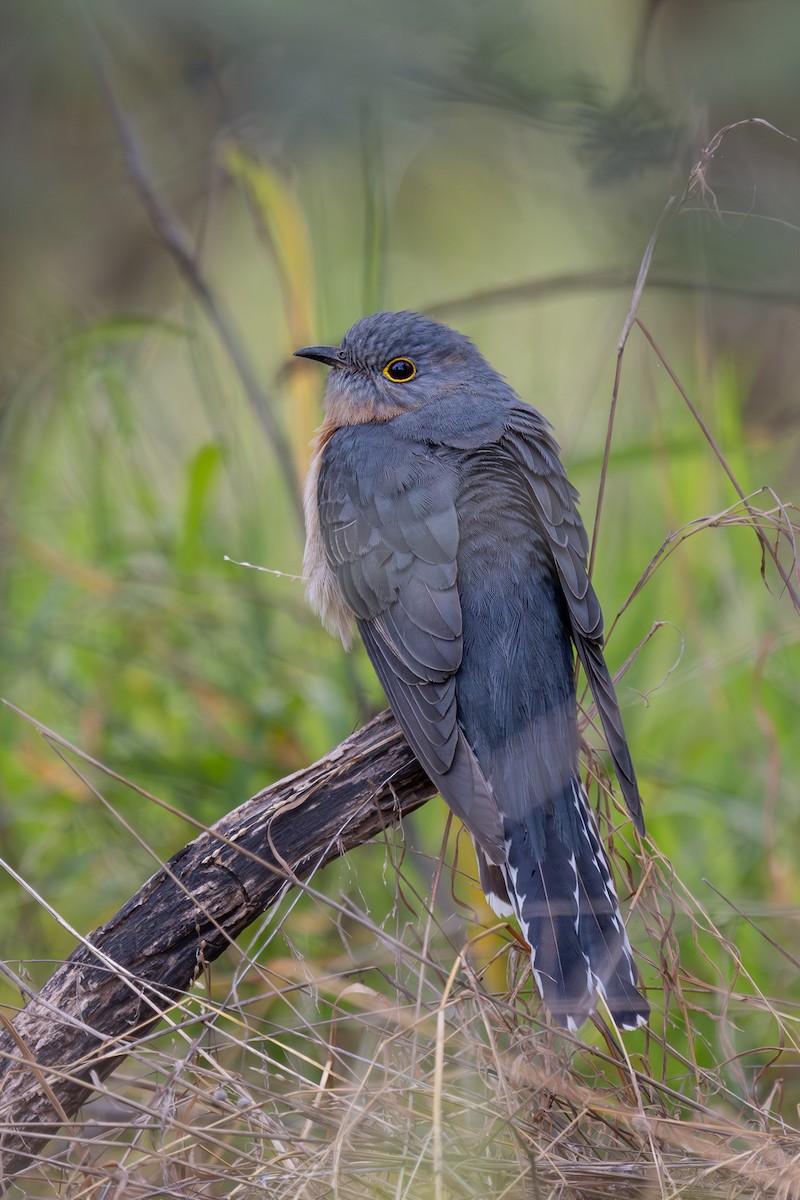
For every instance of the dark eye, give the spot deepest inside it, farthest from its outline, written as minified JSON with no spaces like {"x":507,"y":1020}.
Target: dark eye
{"x":400,"y":370}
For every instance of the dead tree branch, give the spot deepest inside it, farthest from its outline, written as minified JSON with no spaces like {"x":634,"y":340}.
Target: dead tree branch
{"x":118,"y":983}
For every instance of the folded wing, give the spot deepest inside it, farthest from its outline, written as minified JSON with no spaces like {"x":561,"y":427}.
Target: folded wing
{"x":391,"y":536}
{"x":528,"y":438}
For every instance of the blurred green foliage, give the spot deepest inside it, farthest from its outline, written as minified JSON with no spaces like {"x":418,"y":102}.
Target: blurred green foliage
{"x":328,"y":160}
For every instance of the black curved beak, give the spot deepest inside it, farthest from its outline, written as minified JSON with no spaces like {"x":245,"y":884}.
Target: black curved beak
{"x":325,"y":354}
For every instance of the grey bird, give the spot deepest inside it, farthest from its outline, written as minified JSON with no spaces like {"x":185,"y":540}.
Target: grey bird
{"x":439,"y":519}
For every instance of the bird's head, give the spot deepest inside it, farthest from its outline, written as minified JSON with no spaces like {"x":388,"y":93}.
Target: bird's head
{"x":390,"y":363}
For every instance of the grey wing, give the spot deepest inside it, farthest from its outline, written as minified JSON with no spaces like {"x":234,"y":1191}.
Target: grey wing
{"x":529,"y":440}
{"x":391,"y":538}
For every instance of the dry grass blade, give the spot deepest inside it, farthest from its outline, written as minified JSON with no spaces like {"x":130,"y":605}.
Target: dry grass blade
{"x":697,"y":181}
{"x":443,"y":1090}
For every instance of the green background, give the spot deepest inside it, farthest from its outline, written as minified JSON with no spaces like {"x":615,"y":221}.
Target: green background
{"x":502,"y":166}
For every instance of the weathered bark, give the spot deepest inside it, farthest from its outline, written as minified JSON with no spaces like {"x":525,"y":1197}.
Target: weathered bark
{"x":110,"y":992}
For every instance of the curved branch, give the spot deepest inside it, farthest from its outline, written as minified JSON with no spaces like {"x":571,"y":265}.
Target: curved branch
{"x":118,"y":983}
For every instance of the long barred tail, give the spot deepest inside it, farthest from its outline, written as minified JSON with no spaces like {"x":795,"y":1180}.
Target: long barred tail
{"x":566,"y":905}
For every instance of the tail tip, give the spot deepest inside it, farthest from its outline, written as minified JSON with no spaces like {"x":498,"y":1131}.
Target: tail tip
{"x":625,"y":1019}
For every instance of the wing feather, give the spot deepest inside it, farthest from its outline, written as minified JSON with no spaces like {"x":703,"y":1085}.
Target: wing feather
{"x":391,"y":538}
{"x":529,"y":440}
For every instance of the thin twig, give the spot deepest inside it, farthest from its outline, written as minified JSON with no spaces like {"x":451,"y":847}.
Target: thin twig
{"x":633,"y":308}
{"x":174,"y":239}
{"x":766,"y":545}
{"x":675,"y":205}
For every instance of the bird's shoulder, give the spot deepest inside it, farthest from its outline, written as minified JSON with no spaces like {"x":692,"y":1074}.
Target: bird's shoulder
{"x":372,"y":468}
{"x":399,"y":479}
{"x":387,"y":520}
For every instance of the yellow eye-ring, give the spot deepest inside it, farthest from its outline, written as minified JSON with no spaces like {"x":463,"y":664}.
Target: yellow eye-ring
{"x":400,"y":370}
